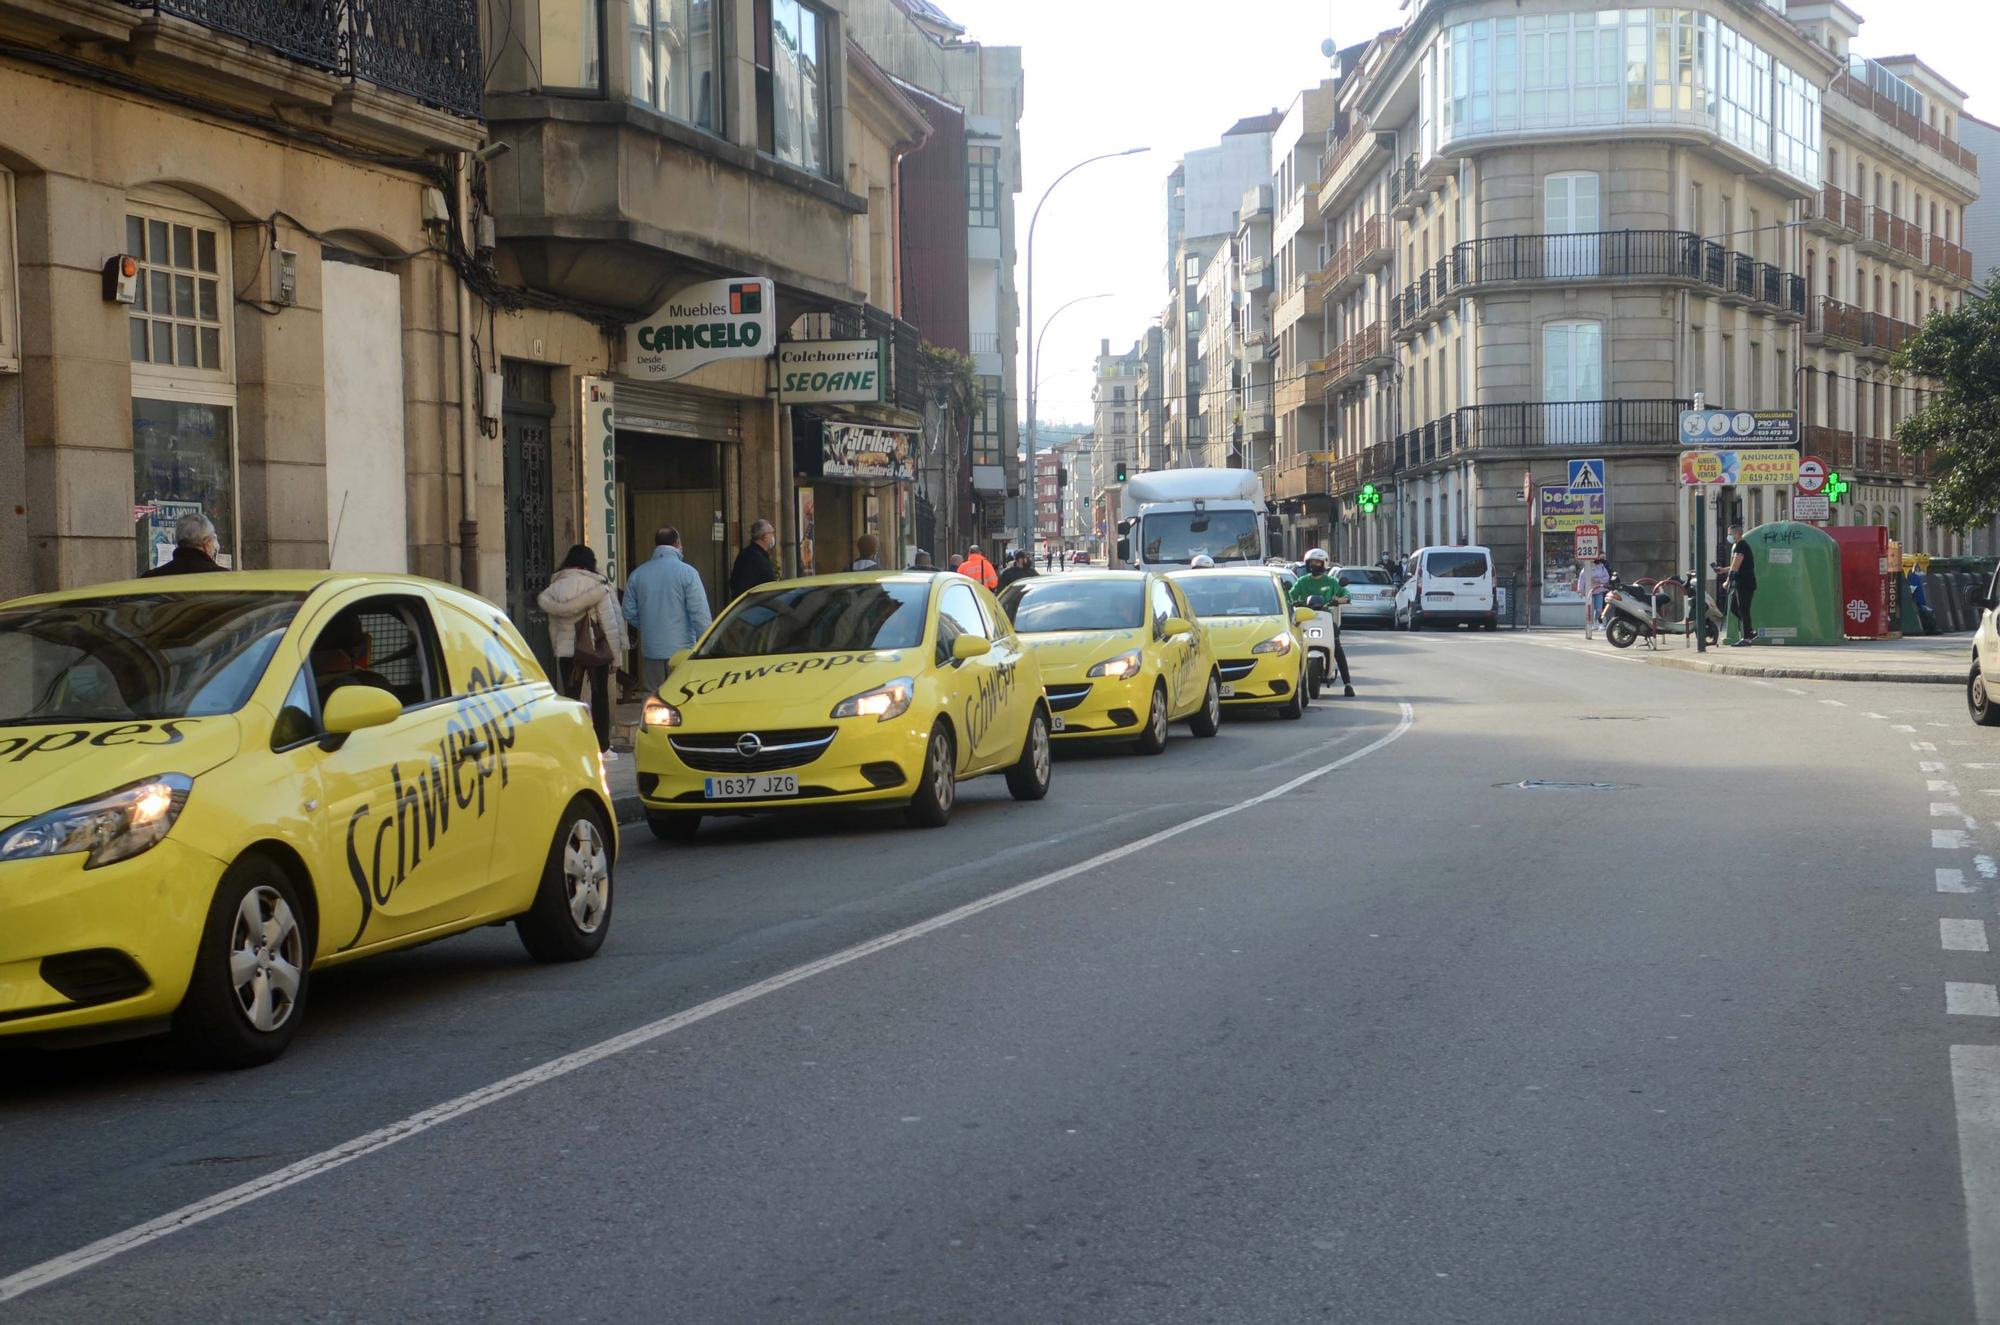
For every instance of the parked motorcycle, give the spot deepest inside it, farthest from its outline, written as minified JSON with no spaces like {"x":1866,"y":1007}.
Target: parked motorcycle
{"x":1647,"y":610}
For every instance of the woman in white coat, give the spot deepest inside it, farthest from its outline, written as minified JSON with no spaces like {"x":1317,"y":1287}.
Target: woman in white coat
{"x":587,"y":630}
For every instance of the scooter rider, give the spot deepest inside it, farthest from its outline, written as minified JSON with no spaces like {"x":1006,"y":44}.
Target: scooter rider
{"x":1319,"y":582}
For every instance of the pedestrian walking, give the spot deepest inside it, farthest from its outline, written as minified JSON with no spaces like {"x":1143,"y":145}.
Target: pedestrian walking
{"x":587,"y":631}
{"x":195,"y":548}
{"x":665,"y":599}
{"x":864,"y":554}
{"x":956,"y":562}
{"x":1742,"y":572}
{"x":977,"y":567}
{"x":753,"y":564}
{"x":921,"y":564}
{"x":1593,"y":581}
{"x":1021,"y":567}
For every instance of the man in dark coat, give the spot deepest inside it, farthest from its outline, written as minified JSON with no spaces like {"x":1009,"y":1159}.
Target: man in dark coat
{"x":753,"y":564}
{"x":1022,"y":566}
{"x":195,"y":546}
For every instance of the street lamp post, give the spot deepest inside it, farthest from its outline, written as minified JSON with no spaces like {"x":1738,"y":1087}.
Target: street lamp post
{"x":1033,"y":514}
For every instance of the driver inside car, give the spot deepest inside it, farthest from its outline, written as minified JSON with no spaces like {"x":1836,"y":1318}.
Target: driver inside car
{"x":341,"y":656}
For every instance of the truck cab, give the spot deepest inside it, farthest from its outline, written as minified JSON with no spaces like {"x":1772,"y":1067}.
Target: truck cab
{"x":1170,"y":516}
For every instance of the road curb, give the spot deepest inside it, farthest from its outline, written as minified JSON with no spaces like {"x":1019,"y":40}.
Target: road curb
{"x":1780,"y":671}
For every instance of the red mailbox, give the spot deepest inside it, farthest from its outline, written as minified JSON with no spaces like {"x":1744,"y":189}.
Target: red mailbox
{"x":1866,"y":595}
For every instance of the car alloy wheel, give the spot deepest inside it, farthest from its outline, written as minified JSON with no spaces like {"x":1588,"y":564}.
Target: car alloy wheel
{"x":586,"y":875}
{"x":266,"y":959}
{"x":941,"y":774}
{"x":1979,"y":700}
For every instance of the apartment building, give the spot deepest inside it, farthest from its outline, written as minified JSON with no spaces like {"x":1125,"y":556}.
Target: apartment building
{"x":1296,"y":480}
{"x":1116,"y":406}
{"x":1232,"y":410}
{"x":1150,"y":350}
{"x":1547,"y":229}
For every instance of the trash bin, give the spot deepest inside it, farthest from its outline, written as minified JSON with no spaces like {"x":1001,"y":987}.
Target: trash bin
{"x":1865,"y":594}
{"x":1798,"y":585}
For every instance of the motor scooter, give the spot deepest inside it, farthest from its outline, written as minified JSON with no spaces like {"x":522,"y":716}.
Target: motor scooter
{"x":1320,"y":634}
{"x":1647,"y":610}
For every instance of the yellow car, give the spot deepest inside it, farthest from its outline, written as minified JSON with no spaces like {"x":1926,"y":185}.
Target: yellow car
{"x":864,"y":689}
{"x":212,"y":785}
{"x":1121,"y":653}
{"x":1260,"y":647}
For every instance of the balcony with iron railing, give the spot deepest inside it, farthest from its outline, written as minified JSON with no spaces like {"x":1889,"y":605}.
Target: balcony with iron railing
{"x":1405,"y":191}
{"x":903,"y":387}
{"x":1378,"y":461}
{"x":1344,"y":476}
{"x":1891,"y":234}
{"x":1851,"y":84}
{"x":1537,"y":425}
{"x":1301,"y":476}
{"x":427,"y":50}
{"x":1366,"y":351}
{"x":1365,"y":249}
{"x":1835,"y":213}
{"x":1831,"y":322}
{"x":1867,"y":457}
{"x":1344,"y":161}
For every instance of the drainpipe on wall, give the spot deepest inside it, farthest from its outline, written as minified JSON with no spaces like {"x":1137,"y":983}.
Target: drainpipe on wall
{"x":468,"y":421}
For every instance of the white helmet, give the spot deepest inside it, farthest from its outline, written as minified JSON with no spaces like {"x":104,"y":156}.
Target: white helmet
{"x":1317,"y":554}
{"x":1201,"y":561}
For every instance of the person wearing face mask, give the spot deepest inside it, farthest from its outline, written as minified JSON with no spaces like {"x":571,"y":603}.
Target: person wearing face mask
{"x":195,"y":548}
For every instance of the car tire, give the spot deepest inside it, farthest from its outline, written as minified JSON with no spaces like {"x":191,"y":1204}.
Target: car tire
{"x":1313,"y":674}
{"x":571,"y":913}
{"x":937,"y":785}
{"x":1491,"y":623}
{"x":1979,"y":701}
{"x":1207,"y":720}
{"x":1029,"y":779}
{"x":1620,"y":633}
{"x":673,"y":827}
{"x":1297,"y":708}
{"x":1416,"y":622}
{"x":1153,"y":740}
{"x":255,"y":926}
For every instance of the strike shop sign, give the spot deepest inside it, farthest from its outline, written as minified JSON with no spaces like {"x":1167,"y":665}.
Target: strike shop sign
{"x":854,"y":450}
{"x":1565,"y":510}
{"x":1732,"y":468}
{"x":703,"y":324}
{"x":830,"y":372}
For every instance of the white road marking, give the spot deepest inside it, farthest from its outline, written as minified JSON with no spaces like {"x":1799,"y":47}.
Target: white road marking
{"x":1944,"y":839}
{"x":1988,"y":867}
{"x":1962,"y":935}
{"x":1948,"y":788}
{"x":1929,"y":766}
{"x":1878,"y":715}
{"x":1975,"y":1089}
{"x":1963,"y":1000}
{"x":1984,"y":767}
{"x":1790,"y":690}
{"x":1953,"y":881}
{"x":1946,"y":810}
{"x":1924,"y":747}
{"x":1902,"y":727}
{"x":139,"y":1235}
{"x":1833,"y":703}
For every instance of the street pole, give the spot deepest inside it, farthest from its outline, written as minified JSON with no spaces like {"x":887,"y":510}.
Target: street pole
{"x":1698,"y":606}
{"x":1034,"y":515}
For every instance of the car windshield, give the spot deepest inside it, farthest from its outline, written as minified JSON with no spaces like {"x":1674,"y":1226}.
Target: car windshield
{"x":1231,"y":595}
{"x":1177,"y":537}
{"x":821,"y":618}
{"x":143,"y":656}
{"x":1045,"y":605}
{"x":1455,"y":565}
{"x":1363,"y":575}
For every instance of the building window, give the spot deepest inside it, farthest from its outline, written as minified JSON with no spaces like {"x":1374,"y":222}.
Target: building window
{"x":983,"y":186}
{"x":572,"y":58}
{"x":183,"y":374}
{"x":986,"y":423}
{"x":675,"y":48}
{"x":791,"y":83}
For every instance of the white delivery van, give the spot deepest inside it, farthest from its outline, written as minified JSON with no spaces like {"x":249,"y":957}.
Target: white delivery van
{"x":1171,"y":516}
{"x":1448,"y":586}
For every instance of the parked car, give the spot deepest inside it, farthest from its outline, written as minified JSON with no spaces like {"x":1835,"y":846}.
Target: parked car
{"x":1371,"y":596}
{"x":1448,"y":586}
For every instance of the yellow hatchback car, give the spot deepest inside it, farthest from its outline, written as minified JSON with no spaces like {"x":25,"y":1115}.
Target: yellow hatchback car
{"x":1260,"y":647}
{"x":864,"y":688}
{"x":1122,"y":655}
{"x":212,"y":785}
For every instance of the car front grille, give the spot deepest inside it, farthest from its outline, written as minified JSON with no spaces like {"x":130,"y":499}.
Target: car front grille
{"x":1062,"y":698}
{"x":717,"y":752}
{"x":1236,"y":669}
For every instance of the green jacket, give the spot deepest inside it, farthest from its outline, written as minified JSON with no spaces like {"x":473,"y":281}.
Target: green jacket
{"x":1326,"y":586}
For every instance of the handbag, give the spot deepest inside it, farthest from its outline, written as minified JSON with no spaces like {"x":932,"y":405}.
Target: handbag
{"x":590,"y":648}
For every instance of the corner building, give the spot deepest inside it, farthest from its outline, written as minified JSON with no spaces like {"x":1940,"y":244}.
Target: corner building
{"x":1547,"y":227}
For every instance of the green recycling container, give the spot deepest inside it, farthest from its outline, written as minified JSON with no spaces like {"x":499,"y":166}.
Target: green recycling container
{"x":1798,"y":586}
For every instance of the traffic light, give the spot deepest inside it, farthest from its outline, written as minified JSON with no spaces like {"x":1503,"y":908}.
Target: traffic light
{"x":1368,"y":498}
{"x":1836,"y":487}
{"x":1118,"y":472}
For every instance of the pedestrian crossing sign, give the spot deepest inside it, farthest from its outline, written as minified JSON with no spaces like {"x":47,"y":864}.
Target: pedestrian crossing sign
{"x":1586,"y":476}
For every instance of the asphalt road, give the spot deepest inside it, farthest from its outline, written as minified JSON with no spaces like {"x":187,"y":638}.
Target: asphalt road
{"x":1407,"y":1041}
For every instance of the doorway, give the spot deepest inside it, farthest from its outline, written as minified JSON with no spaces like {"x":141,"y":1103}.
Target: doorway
{"x":684,"y":483}
{"x":527,"y":484}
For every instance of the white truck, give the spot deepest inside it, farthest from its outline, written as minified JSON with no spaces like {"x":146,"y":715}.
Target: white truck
{"x":1169,"y":516}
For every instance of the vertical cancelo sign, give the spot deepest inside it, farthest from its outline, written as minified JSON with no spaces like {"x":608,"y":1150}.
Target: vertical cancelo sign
{"x":600,"y":477}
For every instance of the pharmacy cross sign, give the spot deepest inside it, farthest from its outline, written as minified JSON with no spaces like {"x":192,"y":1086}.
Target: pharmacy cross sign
{"x":1836,"y":486}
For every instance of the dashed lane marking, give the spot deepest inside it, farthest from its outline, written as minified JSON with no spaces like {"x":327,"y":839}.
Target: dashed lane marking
{"x":1924,"y":747}
{"x":1965,"y":1000}
{"x":1833,"y":703}
{"x":1988,"y":867}
{"x":1975,"y":1089}
{"x":1929,"y":766}
{"x":1950,"y":839}
{"x":1936,"y":784}
{"x":1902,"y":727}
{"x":1953,"y":881}
{"x":1946,"y":810}
{"x":1963,"y":936}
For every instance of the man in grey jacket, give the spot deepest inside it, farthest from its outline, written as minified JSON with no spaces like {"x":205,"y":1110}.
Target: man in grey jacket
{"x":665,"y":599}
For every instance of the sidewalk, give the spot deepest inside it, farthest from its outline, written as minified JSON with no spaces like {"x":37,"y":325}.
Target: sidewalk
{"x":1923,"y":659}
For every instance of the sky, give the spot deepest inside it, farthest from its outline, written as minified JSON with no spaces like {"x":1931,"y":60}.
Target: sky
{"x":1172,"y":75}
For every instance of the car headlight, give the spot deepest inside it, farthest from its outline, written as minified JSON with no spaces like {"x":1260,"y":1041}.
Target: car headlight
{"x":115,"y":826}
{"x":882,"y":703}
{"x":657,"y":712}
{"x":1275,"y":644}
{"x":1117,"y":669}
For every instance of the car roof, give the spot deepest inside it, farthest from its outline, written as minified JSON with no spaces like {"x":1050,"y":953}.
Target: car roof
{"x":918,"y":577}
{"x":253,"y":581}
{"x":1233,"y":569}
{"x":1078,"y":576}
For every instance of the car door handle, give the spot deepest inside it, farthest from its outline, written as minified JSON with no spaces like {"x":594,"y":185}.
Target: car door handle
{"x":471,"y":750}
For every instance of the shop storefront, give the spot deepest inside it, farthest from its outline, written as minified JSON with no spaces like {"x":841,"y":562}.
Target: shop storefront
{"x":1562,"y":513}
{"x":679,"y":463}
{"x":853,"y":478}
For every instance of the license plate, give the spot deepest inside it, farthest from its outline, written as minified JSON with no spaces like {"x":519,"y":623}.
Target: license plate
{"x":1228,"y":691}
{"x":1056,"y":723}
{"x":754,"y":787}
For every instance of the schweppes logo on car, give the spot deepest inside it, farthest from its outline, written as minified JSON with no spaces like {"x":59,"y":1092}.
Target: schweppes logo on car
{"x":732,"y":319}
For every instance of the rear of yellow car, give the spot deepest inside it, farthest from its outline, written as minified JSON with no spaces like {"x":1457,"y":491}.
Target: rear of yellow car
{"x":1260,"y":651}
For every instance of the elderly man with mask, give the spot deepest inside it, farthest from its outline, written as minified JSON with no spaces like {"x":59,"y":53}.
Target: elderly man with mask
{"x":195,"y":548}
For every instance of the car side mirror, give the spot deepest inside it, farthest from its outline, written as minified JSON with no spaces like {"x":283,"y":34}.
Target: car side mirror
{"x":1176,"y":625}
{"x":354,"y":708}
{"x":1125,"y":550}
{"x":1304,"y":616}
{"x":967,"y":647}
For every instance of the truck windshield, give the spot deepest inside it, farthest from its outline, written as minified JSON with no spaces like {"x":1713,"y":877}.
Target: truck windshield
{"x":1177,"y":537}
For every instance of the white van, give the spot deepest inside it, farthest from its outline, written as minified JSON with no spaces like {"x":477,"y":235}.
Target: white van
{"x":1447,"y":586}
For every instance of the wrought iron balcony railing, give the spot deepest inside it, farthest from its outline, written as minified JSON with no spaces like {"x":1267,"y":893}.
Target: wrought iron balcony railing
{"x":1830,"y":319}
{"x":425,"y":49}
